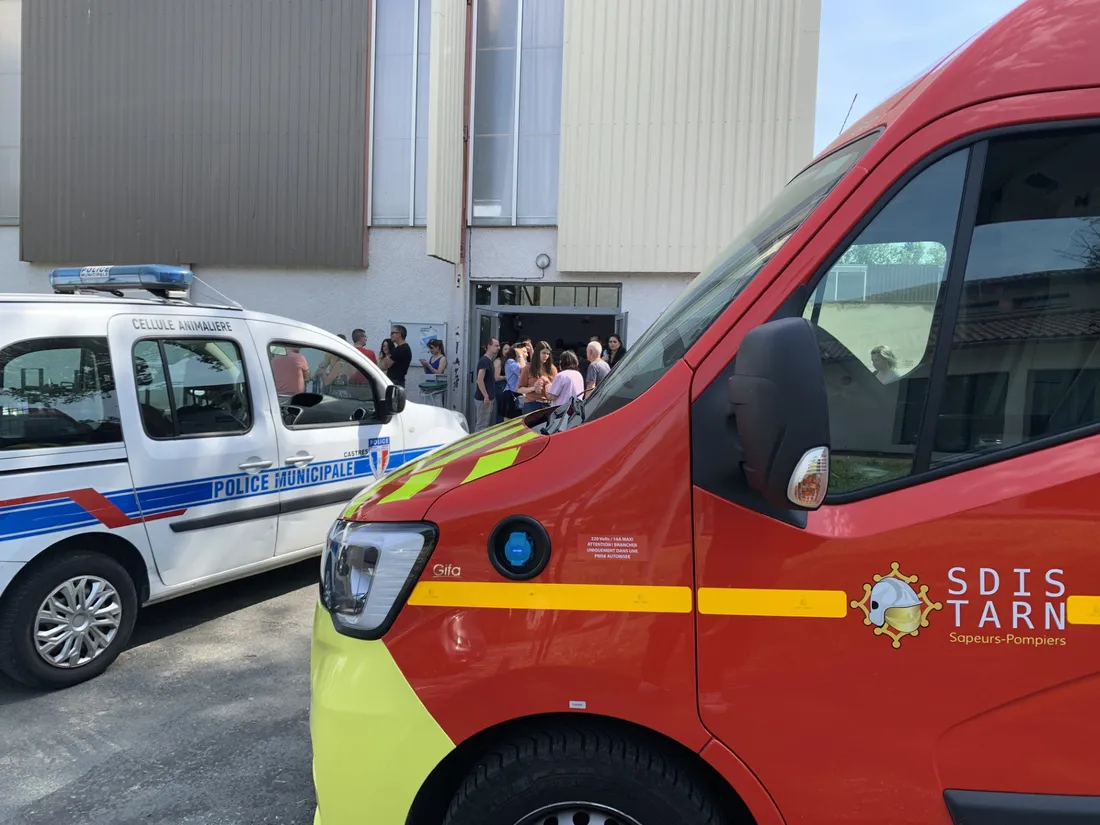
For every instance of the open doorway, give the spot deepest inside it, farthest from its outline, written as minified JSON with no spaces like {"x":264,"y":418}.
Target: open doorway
{"x":566,"y":316}
{"x":562,"y":332}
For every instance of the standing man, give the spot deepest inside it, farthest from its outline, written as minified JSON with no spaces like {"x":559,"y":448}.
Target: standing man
{"x":597,"y":367}
{"x":486,"y":388}
{"x":402,"y":355}
{"x":291,"y":371}
{"x":359,"y":341}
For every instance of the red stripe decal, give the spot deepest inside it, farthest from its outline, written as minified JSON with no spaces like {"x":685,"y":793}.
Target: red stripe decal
{"x":98,"y":505}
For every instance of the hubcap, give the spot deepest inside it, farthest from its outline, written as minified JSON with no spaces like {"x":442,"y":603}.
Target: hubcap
{"x":77,"y":621}
{"x":578,"y":813}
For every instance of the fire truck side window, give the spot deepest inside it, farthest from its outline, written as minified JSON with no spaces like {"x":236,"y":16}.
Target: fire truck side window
{"x":876,"y":312}
{"x":1025,"y":355}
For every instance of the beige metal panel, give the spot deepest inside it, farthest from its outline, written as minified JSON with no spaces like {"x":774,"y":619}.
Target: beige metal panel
{"x":679,"y":122}
{"x":446,"y":90}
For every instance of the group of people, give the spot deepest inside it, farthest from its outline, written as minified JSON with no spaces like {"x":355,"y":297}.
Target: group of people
{"x":394,"y":355}
{"x":516,"y":379}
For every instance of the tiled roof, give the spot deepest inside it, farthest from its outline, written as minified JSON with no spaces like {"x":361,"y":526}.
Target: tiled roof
{"x":1084,"y":323}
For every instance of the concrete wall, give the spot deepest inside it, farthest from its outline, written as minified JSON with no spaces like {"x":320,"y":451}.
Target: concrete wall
{"x":401,"y":283}
{"x":509,"y":254}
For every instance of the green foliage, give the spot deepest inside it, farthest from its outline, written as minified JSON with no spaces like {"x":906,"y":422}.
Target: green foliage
{"x":920,"y":253}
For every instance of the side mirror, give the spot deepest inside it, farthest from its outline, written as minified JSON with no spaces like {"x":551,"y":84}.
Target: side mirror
{"x":395,"y":401}
{"x":778,"y":399}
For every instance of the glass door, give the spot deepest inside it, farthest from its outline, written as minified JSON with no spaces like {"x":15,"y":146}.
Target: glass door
{"x":487,"y":325}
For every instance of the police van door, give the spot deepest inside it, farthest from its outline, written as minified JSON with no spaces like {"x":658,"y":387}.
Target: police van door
{"x":332,"y":441}
{"x":200,"y":439}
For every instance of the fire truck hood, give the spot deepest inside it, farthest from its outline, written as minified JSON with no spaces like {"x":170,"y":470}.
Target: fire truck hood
{"x":407,"y":494}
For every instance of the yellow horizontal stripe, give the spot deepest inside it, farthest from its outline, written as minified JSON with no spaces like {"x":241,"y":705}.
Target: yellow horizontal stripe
{"x":613,"y":598}
{"x":411,"y":487}
{"x":808,"y":604}
{"x":1083,"y":610}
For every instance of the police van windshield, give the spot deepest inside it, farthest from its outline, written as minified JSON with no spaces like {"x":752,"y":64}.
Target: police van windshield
{"x":705,"y":298}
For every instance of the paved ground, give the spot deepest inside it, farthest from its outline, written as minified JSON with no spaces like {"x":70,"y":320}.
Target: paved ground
{"x":203,"y":721}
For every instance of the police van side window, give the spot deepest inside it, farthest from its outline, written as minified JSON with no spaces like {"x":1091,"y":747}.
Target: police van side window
{"x":876,"y":312}
{"x":191,"y":387}
{"x":57,"y":392}
{"x":1024,"y":361}
{"x":317,"y":387}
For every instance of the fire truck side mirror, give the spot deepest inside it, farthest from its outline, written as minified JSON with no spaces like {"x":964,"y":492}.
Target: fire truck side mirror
{"x":777,"y":397}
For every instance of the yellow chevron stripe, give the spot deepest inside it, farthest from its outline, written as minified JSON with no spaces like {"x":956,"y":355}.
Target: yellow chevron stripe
{"x":477,"y":443}
{"x":492,"y":463}
{"x":803,"y":604}
{"x":611,"y":598}
{"x":411,"y":487}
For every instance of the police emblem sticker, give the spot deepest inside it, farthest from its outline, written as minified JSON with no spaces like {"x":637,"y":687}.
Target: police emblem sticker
{"x":893,"y":607}
{"x":378,"y":452}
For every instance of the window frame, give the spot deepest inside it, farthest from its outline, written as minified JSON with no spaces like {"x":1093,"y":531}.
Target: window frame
{"x":97,"y":339}
{"x":159,"y":341}
{"x":953,"y":282}
{"x":373,"y":421}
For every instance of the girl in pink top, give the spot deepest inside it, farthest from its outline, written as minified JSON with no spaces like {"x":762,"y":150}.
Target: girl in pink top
{"x":568,"y":383}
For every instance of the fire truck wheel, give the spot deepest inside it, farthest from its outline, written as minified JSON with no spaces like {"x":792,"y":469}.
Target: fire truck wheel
{"x":583,"y":776}
{"x":65,"y":622}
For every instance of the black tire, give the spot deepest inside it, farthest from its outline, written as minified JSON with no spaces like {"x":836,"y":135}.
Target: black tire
{"x":635,"y":776}
{"x":19,"y":608}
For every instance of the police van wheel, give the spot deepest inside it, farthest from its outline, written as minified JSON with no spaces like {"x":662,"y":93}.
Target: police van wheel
{"x":67,"y":620}
{"x":583,"y":777}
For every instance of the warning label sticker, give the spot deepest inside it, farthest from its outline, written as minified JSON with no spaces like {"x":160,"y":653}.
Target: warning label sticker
{"x":614,"y":547}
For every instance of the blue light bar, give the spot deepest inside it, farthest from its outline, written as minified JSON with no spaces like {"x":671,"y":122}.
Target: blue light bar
{"x":152,"y":277}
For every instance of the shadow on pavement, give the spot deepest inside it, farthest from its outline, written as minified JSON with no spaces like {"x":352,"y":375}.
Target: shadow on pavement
{"x":168,"y":618}
{"x":176,"y":615}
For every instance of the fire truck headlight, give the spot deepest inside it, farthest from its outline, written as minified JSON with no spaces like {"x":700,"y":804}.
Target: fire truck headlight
{"x":368,"y":571}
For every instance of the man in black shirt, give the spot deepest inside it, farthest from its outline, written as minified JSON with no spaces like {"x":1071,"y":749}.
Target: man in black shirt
{"x":402,"y":355}
{"x":485,"y":388}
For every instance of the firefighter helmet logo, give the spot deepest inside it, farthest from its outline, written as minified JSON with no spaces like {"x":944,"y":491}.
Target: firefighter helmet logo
{"x":894,"y":608}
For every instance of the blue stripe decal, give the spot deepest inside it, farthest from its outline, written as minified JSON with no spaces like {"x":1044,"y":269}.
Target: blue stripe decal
{"x":41,"y":518}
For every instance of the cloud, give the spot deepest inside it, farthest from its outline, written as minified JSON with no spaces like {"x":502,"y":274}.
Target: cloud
{"x":875,"y":47}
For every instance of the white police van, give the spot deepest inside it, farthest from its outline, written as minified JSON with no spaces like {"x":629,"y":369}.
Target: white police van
{"x":150,"y":447}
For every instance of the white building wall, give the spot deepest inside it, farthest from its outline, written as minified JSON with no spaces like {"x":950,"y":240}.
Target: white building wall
{"x":402,"y":284}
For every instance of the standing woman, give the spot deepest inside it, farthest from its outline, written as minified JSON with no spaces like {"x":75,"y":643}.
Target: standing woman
{"x":385,"y":354}
{"x":501,"y":380}
{"x":536,"y":378}
{"x":513,"y":368}
{"x":436,"y":362}
{"x":615,"y":349}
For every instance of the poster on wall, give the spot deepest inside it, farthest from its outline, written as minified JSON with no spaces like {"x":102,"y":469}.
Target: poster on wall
{"x":419,"y":336}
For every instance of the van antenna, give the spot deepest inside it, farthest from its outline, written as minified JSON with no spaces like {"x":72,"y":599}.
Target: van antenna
{"x":217,"y":292}
{"x":850,"y":107}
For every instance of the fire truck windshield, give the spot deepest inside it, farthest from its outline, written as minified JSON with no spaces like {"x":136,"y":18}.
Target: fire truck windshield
{"x":705,"y":298}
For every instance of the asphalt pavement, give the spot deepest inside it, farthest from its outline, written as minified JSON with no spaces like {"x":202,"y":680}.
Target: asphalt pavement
{"x":202,"y":721}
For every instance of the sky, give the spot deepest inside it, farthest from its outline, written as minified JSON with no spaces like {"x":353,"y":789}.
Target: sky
{"x":875,"y":47}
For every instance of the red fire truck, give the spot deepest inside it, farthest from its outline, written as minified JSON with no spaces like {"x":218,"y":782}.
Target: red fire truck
{"x":827,"y":549}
